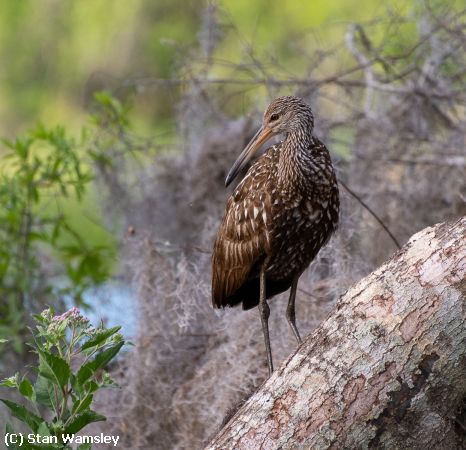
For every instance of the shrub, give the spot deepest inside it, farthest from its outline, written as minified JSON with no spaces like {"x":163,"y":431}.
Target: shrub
{"x":38,"y":172}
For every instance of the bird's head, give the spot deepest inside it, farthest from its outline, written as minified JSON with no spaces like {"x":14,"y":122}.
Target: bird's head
{"x":284,"y":115}
{"x":287,"y":115}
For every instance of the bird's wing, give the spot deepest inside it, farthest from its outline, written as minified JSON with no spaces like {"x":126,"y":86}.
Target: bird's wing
{"x":243,"y":237}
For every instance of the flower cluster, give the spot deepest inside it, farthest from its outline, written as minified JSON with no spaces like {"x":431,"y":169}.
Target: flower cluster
{"x":54,"y":328}
{"x":73,"y":313}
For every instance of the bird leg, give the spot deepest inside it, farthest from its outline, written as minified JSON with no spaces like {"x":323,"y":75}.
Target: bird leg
{"x":290,"y":310}
{"x":264,"y":311}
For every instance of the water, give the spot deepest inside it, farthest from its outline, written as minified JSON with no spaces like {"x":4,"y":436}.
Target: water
{"x":114,"y":303}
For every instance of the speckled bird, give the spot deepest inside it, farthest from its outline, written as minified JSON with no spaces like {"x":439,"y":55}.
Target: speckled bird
{"x":278,"y":217}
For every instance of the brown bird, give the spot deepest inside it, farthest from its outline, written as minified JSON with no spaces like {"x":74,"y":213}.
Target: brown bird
{"x":279,"y":216}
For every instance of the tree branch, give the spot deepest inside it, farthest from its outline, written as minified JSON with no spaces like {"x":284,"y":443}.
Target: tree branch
{"x":385,"y":370}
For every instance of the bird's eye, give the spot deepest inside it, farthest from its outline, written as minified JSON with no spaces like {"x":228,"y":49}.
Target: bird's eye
{"x":273,"y":117}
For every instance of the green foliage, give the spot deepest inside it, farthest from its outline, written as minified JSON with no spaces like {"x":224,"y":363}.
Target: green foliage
{"x":111,"y":138}
{"x":72,"y":356}
{"x":38,"y":171}
{"x":114,"y":146}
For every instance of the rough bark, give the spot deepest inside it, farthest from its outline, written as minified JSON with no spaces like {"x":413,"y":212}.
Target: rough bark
{"x":386,"y":370}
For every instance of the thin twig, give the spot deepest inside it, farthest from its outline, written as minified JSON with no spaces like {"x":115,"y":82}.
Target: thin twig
{"x":371,"y":211}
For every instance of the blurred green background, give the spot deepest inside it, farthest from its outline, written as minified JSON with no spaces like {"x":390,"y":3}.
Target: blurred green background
{"x":56,"y":53}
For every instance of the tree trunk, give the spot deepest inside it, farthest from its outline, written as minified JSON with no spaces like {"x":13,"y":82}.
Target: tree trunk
{"x":386,"y":370}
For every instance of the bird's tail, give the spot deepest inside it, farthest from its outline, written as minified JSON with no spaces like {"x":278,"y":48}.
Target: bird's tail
{"x":248,"y":294}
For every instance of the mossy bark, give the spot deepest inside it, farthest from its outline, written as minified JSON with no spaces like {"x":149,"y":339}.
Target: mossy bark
{"x":386,"y":370}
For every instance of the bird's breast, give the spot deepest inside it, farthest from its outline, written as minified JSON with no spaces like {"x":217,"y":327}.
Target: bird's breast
{"x":301,"y":226}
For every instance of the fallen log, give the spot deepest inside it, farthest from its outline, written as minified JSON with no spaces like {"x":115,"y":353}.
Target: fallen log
{"x":386,"y":370}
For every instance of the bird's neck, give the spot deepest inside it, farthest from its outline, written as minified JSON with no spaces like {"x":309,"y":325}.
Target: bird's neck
{"x":294,"y":156}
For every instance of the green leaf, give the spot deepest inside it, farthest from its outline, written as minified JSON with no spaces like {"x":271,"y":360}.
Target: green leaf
{"x":3,"y":341}
{"x":83,"y":419}
{"x":44,"y":392}
{"x":100,"y":361}
{"x":39,"y":318}
{"x":82,"y":403}
{"x":100,"y":337}
{"x":23,"y":414}
{"x":43,"y":429}
{"x":26,"y":389}
{"x":54,"y":368}
{"x":92,"y":386}
{"x":84,"y":373}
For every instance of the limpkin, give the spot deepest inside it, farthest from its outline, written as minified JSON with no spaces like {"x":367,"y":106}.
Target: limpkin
{"x":279,"y":216}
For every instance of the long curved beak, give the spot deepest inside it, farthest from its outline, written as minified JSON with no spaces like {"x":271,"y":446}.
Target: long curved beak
{"x":255,"y":143}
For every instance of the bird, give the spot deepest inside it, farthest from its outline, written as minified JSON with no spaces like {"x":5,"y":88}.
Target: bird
{"x":278,"y":217}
